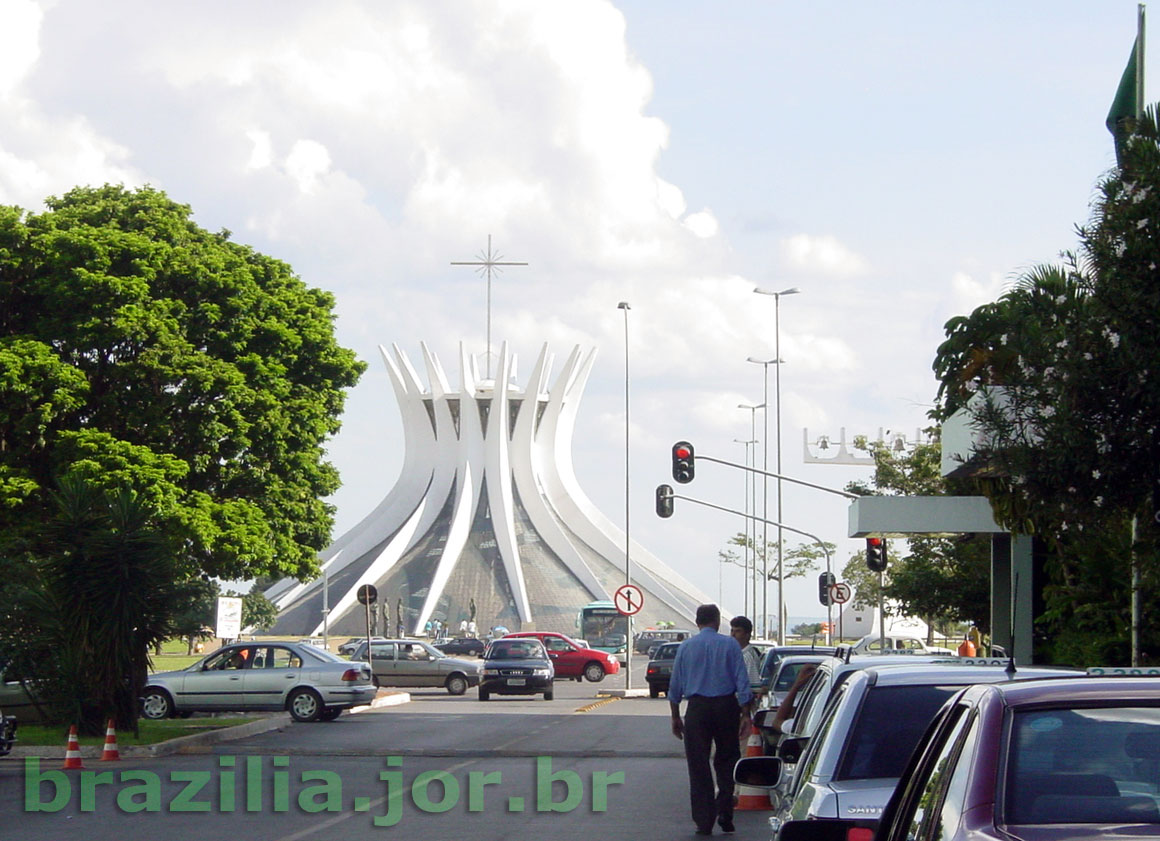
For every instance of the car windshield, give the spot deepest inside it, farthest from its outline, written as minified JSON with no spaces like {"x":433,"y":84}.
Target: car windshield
{"x":889,"y":724}
{"x":787,"y":675}
{"x":668,"y":651}
{"x":513,"y":650}
{"x":1098,"y":766}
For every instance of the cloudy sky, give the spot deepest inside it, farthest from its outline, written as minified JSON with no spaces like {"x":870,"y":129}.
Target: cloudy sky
{"x":899,"y":162}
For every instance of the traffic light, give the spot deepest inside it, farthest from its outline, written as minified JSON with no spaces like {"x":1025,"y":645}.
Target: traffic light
{"x":825,"y":581}
{"x":664,"y":500}
{"x":683,"y":460}
{"x":876,"y":554}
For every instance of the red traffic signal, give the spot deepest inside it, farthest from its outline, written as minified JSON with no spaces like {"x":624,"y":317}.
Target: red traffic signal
{"x":683,"y":462}
{"x":876,"y":554}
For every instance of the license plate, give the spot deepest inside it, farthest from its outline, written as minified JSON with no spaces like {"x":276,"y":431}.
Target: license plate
{"x":516,"y":681}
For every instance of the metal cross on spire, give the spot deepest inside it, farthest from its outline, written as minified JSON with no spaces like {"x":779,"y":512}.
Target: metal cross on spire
{"x":485,"y":265}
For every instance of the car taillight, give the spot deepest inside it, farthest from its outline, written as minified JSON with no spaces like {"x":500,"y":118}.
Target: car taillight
{"x":652,"y":670}
{"x":356,"y":674}
{"x":859,"y":833}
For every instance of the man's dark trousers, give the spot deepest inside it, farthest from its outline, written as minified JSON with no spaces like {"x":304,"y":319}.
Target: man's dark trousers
{"x":711,"y":722}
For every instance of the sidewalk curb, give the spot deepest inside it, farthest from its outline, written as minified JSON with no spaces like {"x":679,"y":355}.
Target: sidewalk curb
{"x":180,"y":744}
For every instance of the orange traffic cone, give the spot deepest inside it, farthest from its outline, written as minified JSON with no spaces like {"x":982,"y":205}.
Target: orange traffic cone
{"x":748,"y":797}
{"x":110,"y":752}
{"x":72,"y":753}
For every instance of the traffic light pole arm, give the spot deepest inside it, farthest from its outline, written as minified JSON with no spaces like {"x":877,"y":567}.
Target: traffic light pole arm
{"x":812,"y":537}
{"x":846,"y":494}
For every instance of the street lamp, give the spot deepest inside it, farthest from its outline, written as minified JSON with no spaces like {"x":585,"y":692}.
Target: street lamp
{"x":623,"y":305}
{"x":753,"y":484}
{"x":748,"y":478}
{"x":765,"y":363}
{"x":793,"y":290}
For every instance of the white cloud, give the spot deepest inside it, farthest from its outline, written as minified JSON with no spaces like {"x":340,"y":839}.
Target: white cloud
{"x":821,"y":254}
{"x":262,"y":153}
{"x":307,"y":162}
{"x":703,"y":224}
{"x":19,"y":42}
{"x":970,"y":292}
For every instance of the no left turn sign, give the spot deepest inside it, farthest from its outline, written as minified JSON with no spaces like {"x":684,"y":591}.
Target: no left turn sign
{"x":628,"y":599}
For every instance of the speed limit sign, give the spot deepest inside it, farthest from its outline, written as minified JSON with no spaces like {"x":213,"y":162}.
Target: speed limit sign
{"x":840,"y":592}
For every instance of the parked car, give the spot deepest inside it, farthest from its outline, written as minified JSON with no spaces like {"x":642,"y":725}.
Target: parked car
{"x":17,"y":700}
{"x":774,"y":653}
{"x":869,"y":729}
{"x":516,"y":666}
{"x":1054,"y":759}
{"x":651,"y":637}
{"x":572,"y":660}
{"x":462,"y":645}
{"x":872,"y":644}
{"x":660,"y":668}
{"x":351,"y":645}
{"x":311,"y":683}
{"x":417,"y":663}
{"x":783,"y":678}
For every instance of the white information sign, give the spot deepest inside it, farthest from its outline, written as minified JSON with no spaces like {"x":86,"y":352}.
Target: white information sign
{"x":229,"y":617}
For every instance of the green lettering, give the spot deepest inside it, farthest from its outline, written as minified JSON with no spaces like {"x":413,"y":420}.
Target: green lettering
{"x":89,"y":783}
{"x":184,"y":802}
{"x":450,"y":791}
{"x":476,"y":780}
{"x":33,"y":778}
{"x":600,"y":783}
{"x":281,"y":784}
{"x":331,"y":789}
{"x":149,"y":791}
{"x":226,"y":785}
{"x":394,"y":781}
{"x":545,"y":782}
{"x":253,"y":783}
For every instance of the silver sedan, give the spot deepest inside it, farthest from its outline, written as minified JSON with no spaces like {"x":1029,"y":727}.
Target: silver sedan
{"x":308,"y":682}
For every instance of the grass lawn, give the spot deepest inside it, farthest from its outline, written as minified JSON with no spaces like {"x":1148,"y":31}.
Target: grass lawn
{"x":55,"y":735}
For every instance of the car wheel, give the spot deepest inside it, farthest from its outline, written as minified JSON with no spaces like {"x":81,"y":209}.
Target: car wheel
{"x":330,"y":713}
{"x":304,"y":705}
{"x":483,"y":694}
{"x":456,"y":684}
{"x":654,"y":691}
{"x":156,"y":704}
{"x":594,"y":672}
{"x":548,"y":695}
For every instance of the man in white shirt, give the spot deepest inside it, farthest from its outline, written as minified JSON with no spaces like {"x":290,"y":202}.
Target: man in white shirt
{"x":741,"y":629}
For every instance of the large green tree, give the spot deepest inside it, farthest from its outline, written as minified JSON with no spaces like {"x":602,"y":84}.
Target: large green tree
{"x":141,"y":351}
{"x":1059,"y":376}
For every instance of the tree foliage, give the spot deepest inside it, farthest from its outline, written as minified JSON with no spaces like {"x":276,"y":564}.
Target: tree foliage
{"x":97,"y":591}
{"x":140,"y":351}
{"x":1059,"y":378}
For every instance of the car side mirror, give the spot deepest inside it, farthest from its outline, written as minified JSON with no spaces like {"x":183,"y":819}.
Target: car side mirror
{"x":791,"y":750}
{"x":763,"y":719}
{"x":758,"y":771}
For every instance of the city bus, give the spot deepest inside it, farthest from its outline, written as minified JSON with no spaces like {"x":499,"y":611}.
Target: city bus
{"x":604,"y":628}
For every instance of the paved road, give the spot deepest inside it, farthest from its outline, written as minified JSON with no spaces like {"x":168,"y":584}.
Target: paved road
{"x":510,"y":768}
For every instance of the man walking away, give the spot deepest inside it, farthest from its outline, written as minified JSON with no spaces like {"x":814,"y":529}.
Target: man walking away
{"x":709,"y":672}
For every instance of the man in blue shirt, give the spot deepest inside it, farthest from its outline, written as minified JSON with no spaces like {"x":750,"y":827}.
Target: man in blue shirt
{"x":709,"y":672}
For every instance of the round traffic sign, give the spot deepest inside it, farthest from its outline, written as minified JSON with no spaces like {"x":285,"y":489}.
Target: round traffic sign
{"x":367,"y":594}
{"x":628,"y":599}
{"x":840,"y":592}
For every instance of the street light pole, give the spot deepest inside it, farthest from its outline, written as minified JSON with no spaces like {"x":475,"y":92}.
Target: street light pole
{"x":777,"y":357}
{"x":750,"y":580}
{"x":623,"y":305}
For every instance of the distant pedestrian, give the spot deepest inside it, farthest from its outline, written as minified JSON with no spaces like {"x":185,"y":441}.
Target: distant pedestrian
{"x":741,"y":629}
{"x":709,"y":672}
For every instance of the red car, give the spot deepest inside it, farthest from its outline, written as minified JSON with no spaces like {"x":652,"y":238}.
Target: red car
{"x":572,"y":660}
{"x":1056,"y":759}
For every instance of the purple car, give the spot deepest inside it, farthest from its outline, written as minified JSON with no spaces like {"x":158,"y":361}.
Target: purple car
{"x":1042,"y":760}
